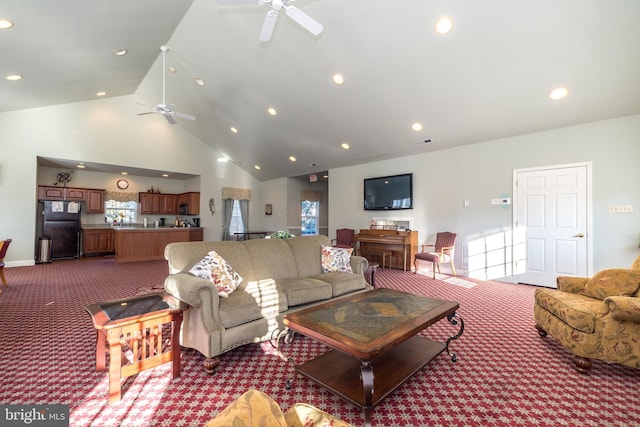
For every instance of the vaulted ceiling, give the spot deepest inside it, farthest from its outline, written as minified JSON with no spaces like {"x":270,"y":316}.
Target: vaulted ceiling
{"x":488,"y":78}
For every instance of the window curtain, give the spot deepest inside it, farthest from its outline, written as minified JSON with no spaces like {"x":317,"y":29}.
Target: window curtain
{"x":227,"y":213}
{"x":120,"y":196}
{"x":229,"y":195}
{"x":311,"y":196}
{"x":244,"y":213}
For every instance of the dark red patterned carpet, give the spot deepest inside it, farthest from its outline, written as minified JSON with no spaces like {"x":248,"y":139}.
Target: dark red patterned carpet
{"x":505,"y":374}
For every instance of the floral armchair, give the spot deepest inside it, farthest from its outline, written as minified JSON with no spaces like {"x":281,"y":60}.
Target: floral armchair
{"x":596,"y":318}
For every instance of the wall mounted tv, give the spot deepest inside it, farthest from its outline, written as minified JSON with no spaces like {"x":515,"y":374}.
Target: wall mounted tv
{"x":388,"y":193}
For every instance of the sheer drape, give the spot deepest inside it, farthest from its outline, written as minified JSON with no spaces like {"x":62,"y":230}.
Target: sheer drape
{"x":227,"y":213}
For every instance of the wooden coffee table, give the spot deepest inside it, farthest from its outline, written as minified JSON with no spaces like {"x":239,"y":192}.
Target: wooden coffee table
{"x":136,"y":323}
{"x":374,"y":335}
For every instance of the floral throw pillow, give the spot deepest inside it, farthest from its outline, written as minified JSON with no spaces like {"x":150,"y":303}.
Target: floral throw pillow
{"x":612,"y":282}
{"x":336,"y":259}
{"x":218,"y":271}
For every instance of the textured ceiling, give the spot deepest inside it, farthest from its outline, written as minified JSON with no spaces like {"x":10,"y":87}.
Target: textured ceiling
{"x":487,"y":79}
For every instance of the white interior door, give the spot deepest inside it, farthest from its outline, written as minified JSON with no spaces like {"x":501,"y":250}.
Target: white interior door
{"x":552,"y":223}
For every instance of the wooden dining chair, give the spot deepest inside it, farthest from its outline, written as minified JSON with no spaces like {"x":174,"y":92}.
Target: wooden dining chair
{"x":444,"y":251}
{"x":4,"y":245}
{"x":344,"y":238}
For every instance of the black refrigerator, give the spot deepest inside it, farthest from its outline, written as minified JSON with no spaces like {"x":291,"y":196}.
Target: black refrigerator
{"x":61,"y":224}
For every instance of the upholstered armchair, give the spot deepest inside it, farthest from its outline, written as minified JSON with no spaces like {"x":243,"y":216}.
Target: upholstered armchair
{"x":344,"y":238}
{"x":444,"y":250}
{"x":594,"y":318}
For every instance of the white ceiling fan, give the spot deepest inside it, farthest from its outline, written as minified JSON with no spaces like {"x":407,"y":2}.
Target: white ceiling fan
{"x":167,"y":110}
{"x":304,"y":20}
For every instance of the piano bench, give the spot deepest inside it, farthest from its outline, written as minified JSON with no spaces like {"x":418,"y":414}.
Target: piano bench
{"x":381,"y":254}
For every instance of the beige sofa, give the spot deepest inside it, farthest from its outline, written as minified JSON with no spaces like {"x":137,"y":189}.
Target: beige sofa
{"x":278,"y":276}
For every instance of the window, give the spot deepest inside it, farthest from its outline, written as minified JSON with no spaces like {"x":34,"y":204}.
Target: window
{"x":122,"y":212}
{"x":236,"y":219}
{"x":310,"y":217}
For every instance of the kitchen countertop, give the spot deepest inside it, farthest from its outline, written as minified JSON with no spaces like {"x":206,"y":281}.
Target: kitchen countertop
{"x":137,"y":227}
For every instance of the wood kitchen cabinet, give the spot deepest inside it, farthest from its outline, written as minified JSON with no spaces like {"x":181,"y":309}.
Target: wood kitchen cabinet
{"x":94,"y":198}
{"x":95,"y":201}
{"x":75,"y":194}
{"x":191,"y":200}
{"x":97,"y":241}
{"x":168,"y":204}
{"x":150,"y":203}
{"x":52,"y":193}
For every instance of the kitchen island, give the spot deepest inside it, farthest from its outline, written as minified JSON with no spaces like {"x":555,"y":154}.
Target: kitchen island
{"x":145,"y":244}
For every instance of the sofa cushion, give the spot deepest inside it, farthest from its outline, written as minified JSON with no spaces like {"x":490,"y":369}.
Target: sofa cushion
{"x":306,"y":251}
{"x":336,"y":259}
{"x":257,"y":300}
{"x":304,"y":290}
{"x":271,"y":258}
{"x":612,"y":282}
{"x":216,"y":269}
{"x":578,"y":311}
{"x":342,"y":283}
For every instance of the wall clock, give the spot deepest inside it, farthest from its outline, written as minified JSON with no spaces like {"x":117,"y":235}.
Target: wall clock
{"x":123,"y":184}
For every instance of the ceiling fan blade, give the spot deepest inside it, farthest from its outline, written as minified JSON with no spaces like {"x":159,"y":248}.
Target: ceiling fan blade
{"x":268,"y":26}
{"x":144,"y":114}
{"x":184,"y":116}
{"x":310,"y":24}
{"x":169,"y":116}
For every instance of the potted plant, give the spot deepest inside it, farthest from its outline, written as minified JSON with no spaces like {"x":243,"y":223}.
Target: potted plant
{"x":282,"y":234}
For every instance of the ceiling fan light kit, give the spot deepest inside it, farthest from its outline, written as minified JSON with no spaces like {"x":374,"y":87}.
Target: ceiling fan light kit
{"x":167,"y":110}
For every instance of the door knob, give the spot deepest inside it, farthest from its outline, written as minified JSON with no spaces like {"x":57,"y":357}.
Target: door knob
{"x":579,"y":235}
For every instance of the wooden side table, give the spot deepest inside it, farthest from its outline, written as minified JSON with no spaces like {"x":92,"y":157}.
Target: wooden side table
{"x":136,"y":323}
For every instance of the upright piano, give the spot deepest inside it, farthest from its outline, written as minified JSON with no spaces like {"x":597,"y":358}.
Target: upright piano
{"x":402,"y":244}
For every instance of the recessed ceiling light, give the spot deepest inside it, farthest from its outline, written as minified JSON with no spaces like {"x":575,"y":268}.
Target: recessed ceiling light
{"x":443,"y":25}
{"x":223,"y":159}
{"x":558,"y":93}
{"x":101,"y":93}
{"x":124,"y":173}
{"x":200,"y":81}
{"x":325,"y":176}
{"x":5,"y":24}
{"x":165,"y":175}
{"x":257,"y":167}
{"x":272,"y":111}
{"x":120,"y":52}
{"x":80,"y":166}
{"x":292,"y":158}
{"x":338,"y":78}
{"x":233,"y":129}
{"x":172,"y":69}
{"x":345,"y":146}
{"x":417,"y":127}
{"x":14,"y":77}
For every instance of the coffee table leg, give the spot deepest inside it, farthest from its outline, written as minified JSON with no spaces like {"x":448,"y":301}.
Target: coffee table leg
{"x":366,"y":373}
{"x":175,"y":344}
{"x":453,"y":319}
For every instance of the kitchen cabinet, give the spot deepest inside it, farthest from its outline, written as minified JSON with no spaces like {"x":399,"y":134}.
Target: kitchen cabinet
{"x":75,"y":194}
{"x":144,"y":244}
{"x":168,"y":204}
{"x":52,"y":193}
{"x":192,"y":201}
{"x":150,"y":203}
{"x":94,"y":201}
{"x":97,"y":241}
{"x":94,"y":198}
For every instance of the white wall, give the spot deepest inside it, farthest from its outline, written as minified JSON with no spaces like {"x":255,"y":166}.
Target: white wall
{"x":105,"y":131}
{"x":480,"y":172}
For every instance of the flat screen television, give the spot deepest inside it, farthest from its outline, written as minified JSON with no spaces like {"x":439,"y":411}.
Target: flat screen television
{"x":388,"y":193}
